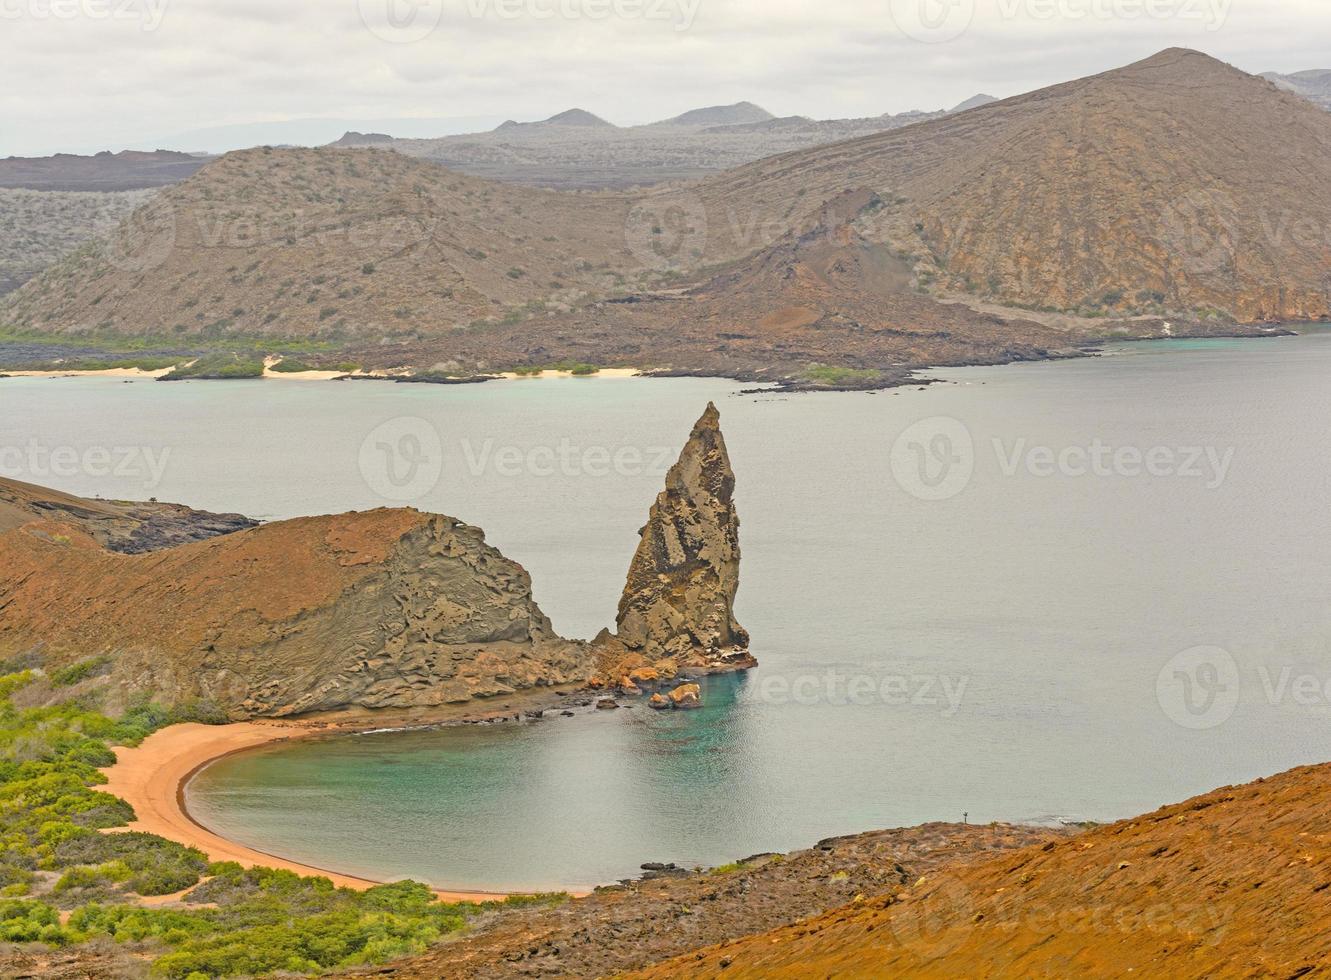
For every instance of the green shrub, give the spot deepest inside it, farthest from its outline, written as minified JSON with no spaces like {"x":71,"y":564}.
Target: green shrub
{"x":290,"y":365}
{"x":71,"y":675}
{"x":839,"y":377}
{"x":30,"y":922}
{"x":157,"y":866}
{"x":238,"y":922}
{"x":221,"y":367}
{"x":578,"y":368}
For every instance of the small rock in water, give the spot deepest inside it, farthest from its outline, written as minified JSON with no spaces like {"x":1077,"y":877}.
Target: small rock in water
{"x":687,"y":696}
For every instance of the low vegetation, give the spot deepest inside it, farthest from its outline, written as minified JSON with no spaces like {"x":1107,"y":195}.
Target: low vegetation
{"x":39,"y":227}
{"x":839,"y":377}
{"x":577,"y":368}
{"x":221,"y":367}
{"x":289,"y":365}
{"x":108,"y":363}
{"x":68,"y":676}
{"x":229,"y":922}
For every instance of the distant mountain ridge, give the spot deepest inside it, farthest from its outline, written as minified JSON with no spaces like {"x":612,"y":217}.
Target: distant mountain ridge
{"x":575,"y":118}
{"x":352,"y":138}
{"x":721,"y":115}
{"x":1313,"y":85}
{"x":106,"y":171}
{"x":579,"y":150}
{"x":974,"y":102}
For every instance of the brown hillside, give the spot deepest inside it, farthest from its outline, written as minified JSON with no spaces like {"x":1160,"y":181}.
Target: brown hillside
{"x":124,"y":526}
{"x":1176,"y":187}
{"x":390,"y":608}
{"x":1178,"y":175}
{"x":298,"y":242}
{"x":640,"y":922}
{"x":1233,"y":883}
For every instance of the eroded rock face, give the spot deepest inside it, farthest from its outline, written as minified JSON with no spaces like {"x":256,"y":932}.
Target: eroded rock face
{"x":390,"y":608}
{"x":385,"y":609}
{"x":131,"y":528}
{"x":679,"y":601}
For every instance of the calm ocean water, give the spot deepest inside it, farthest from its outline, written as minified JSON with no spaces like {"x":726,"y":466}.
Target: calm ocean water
{"x":1075,"y":590}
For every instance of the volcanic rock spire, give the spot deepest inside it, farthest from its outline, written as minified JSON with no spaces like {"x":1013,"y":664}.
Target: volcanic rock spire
{"x":679,"y":599}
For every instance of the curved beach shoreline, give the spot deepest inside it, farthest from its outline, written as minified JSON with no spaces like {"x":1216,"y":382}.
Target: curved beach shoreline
{"x":152,"y":777}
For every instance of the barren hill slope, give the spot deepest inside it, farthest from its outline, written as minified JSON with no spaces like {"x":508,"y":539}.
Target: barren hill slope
{"x":1314,"y":85}
{"x":295,"y":242}
{"x":1174,"y":189}
{"x":39,"y":227}
{"x":122,"y":526}
{"x":1176,"y":181}
{"x":1231,"y":883}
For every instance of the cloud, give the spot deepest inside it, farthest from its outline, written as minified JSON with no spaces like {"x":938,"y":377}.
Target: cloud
{"x":122,"y":72}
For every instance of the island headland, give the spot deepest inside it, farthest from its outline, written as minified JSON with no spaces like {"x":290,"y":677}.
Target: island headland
{"x":391,"y":609}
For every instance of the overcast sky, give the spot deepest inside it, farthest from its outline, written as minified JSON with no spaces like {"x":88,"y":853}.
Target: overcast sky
{"x":79,"y":75}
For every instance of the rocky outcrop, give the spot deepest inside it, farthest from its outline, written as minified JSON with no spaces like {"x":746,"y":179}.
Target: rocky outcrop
{"x":679,"y":601}
{"x":676,"y":615}
{"x":388,"y":609}
{"x":385,"y":609}
{"x":129,"y":528}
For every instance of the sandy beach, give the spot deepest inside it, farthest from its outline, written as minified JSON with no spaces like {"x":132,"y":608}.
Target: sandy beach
{"x":105,"y":373}
{"x":270,"y":375}
{"x":602,"y":373}
{"x":151,"y":779}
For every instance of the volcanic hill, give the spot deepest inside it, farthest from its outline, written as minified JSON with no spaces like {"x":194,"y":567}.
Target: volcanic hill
{"x":1175,"y":196}
{"x":1313,"y":85}
{"x":125,"y":527}
{"x":1231,"y":883}
{"x":1175,"y":182}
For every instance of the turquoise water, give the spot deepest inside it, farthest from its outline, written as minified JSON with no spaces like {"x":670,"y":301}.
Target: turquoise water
{"x":1052,"y":607}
